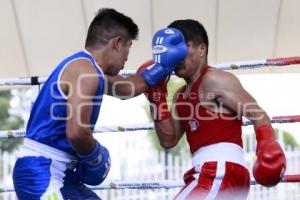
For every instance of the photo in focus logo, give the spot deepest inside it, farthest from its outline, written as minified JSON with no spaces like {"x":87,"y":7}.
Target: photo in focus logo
{"x":169,"y":31}
{"x":193,"y":124}
{"x":158,"y":49}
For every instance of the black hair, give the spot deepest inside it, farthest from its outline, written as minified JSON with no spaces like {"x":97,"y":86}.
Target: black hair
{"x":109,"y":23}
{"x":192,"y":30}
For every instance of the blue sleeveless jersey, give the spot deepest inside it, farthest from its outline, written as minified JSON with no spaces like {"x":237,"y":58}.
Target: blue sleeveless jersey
{"x":47,"y":122}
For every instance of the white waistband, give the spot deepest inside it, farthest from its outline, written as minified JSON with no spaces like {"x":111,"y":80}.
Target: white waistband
{"x":34,"y":148}
{"x":220,"y":152}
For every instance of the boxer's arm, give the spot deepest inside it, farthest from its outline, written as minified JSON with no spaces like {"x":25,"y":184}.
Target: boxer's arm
{"x":125,"y":88}
{"x":169,"y":131}
{"x":94,"y":159}
{"x":270,"y":164}
{"x":80,"y":90}
{"x":231,"y":94}
{"x":168,"y":49}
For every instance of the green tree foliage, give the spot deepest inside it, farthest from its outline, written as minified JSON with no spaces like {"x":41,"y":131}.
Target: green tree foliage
{"x":8,"y":122}
{"x":288,"y":139}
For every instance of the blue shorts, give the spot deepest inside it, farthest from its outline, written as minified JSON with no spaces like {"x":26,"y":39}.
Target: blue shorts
{"x":46,"y":173}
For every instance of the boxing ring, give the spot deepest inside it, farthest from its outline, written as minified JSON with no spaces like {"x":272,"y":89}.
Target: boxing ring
{"x":159,"y":184}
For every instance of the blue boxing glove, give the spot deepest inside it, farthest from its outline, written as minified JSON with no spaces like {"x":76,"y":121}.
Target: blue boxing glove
{"x":94,"y":167}
{"x":168,"y":48}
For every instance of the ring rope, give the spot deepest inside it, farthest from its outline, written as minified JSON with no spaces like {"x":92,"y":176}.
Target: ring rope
{"x":166,"y":184}
{"x":258,"y":63}
{"x":146,"y":126}
{"x":37,"y":80}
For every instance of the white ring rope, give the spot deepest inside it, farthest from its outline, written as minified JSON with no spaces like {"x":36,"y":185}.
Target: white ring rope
{"x":258,"y":63}
{"x":37,"y":80}
{"x":166,"y":184}
{"x":146,"y":126}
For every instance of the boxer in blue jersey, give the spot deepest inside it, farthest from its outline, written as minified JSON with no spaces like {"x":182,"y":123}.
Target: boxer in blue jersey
{"x":60,"y":155}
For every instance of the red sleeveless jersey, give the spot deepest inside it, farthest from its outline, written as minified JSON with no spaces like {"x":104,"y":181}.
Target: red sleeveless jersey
{"x":203,"y":126}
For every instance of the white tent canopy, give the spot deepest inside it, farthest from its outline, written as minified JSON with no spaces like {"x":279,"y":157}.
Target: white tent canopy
{"x":36,"y":34}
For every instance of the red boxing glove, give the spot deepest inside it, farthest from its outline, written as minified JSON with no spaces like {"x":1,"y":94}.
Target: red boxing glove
{"x":157,"y":96}
{"x":270,"y":164}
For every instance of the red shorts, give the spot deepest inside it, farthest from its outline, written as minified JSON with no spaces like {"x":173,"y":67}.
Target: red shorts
{"x":216,"y":180}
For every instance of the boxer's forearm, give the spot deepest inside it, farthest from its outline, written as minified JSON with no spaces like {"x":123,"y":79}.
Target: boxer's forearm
{"x":125,"y":88}
{"x":257,"y":116}
{"x":167,"y":133}
{"x":81,"y":139}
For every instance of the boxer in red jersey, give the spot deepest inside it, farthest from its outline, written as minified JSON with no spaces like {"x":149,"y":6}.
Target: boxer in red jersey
{"x":209,"y":109}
